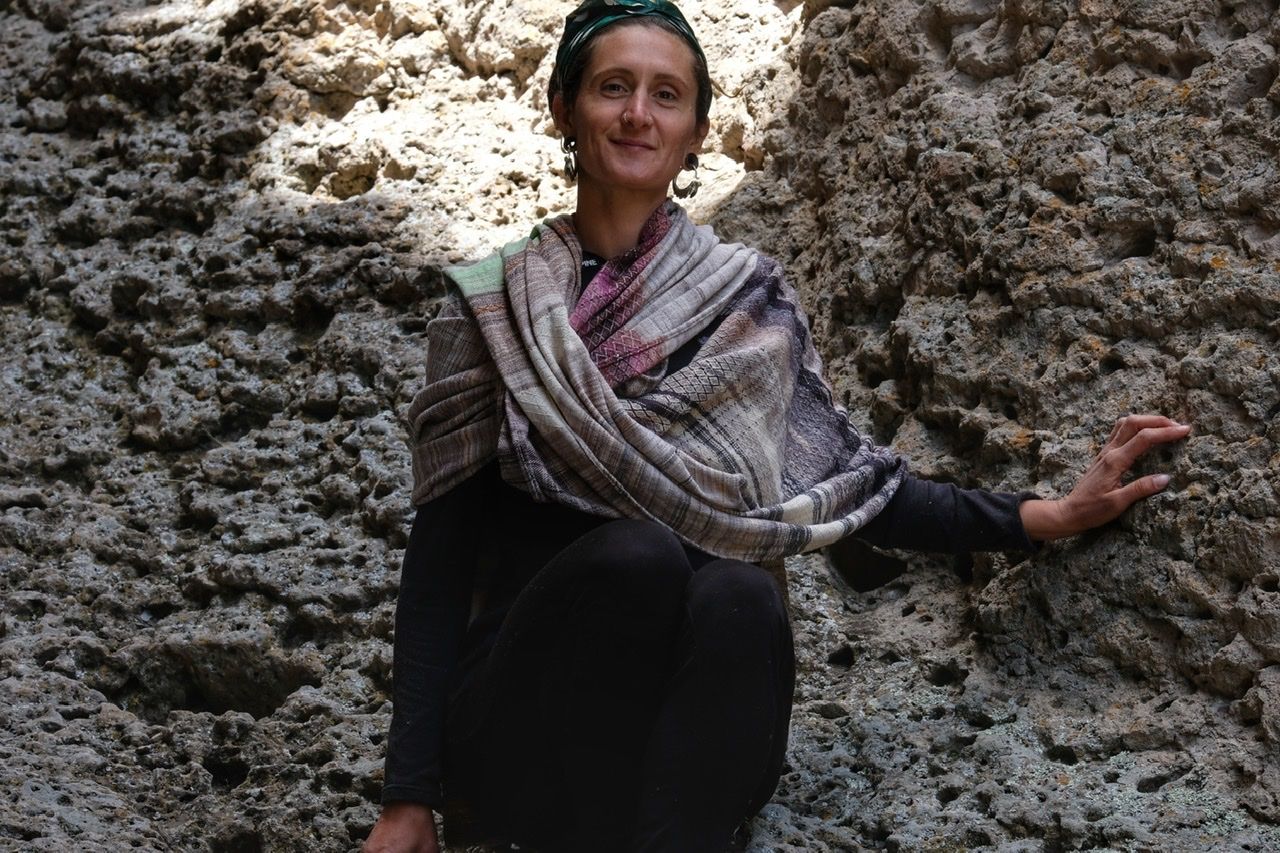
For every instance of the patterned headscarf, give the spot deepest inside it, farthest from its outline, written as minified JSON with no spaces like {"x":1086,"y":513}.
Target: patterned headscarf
{"x":591,"y":16}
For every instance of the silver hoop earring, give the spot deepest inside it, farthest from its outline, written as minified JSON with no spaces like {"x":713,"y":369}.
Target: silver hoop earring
{"x":569,"y":146}
{"x":690,"y":189}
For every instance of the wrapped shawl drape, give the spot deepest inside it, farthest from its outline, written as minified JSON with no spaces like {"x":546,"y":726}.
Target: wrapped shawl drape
{"x":741,"y":452}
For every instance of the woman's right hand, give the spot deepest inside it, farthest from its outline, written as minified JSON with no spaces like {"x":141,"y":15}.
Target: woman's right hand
{"x":403,"y":828}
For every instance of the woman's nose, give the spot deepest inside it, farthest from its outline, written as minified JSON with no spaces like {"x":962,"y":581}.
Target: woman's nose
{"x":637,"y":112}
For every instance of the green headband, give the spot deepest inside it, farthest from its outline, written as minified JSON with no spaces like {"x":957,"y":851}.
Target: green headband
{"x":592,"y":16}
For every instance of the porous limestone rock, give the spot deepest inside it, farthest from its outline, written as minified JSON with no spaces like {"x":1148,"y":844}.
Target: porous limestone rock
{"x":223,"y":225}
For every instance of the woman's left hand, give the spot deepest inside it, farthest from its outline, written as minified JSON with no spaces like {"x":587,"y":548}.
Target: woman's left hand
{"x":1101,"y":494}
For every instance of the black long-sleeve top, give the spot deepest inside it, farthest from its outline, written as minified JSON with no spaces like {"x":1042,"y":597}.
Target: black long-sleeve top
{"x":473,"y":549}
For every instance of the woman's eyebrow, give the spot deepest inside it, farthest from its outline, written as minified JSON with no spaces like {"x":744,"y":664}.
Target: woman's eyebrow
{"x":630,"y":72}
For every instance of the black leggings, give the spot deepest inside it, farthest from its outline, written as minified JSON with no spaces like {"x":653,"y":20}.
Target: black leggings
{"x":629,"y":702}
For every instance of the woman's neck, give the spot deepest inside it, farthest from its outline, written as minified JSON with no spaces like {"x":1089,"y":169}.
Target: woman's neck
{"x":609,"y":222}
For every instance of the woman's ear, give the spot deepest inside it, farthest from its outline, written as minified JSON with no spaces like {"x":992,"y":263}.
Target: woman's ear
{"x":700,"y":136}
{"x":562,"y":116}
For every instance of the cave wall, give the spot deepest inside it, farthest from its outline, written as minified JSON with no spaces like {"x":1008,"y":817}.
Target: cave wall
{"x":223,"y":224}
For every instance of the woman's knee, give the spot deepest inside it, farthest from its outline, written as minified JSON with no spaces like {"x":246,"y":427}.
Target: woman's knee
{"x":640,"y":560}
{"x":737,"y":596}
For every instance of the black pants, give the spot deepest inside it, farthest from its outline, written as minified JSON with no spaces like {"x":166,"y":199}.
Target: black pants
{"x":629,"y":703}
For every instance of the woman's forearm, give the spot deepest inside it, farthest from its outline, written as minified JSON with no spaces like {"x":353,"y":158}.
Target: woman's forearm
{"x":431,"y":613}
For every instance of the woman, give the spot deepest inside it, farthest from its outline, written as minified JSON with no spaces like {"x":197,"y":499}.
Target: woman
{"x":581,"y":683}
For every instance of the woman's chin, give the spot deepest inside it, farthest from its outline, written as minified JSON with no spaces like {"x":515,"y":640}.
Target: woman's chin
{"x":624,"y":182}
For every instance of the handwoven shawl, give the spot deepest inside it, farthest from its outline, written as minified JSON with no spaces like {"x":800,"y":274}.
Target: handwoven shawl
{"x":741,"y":452}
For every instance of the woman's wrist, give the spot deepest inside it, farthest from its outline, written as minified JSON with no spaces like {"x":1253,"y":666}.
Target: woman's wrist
{"x":1044,"y":520}
{"x":408,"y":807}
{"x":404,"y":827}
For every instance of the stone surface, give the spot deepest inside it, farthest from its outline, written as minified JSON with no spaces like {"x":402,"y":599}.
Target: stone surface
{"x":1011,"y":222}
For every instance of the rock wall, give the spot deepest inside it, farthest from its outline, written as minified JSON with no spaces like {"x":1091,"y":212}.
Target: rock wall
{"x":1012,"y":222}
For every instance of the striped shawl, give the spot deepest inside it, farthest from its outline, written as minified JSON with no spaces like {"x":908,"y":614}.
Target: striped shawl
{"x":742,"y":452}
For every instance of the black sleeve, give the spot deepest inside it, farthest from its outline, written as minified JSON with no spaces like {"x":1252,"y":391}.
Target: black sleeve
{"x":927,"y":516}
{"x":432,"y":609}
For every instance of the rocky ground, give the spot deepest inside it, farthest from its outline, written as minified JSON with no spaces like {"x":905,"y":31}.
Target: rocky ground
{"x":221,"y":225}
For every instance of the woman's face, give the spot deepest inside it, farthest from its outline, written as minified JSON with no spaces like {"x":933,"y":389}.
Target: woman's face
{"x":635,"y":115}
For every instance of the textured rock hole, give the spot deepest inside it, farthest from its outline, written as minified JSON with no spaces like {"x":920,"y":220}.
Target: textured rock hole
{"x":1139,"y":243}
{"x":301,"y":630}
{"x":842,"y":657}
{"x":1111,"y":363}
{"x":353,"y":182}
{"x":1098,"y":106}
{"x":1069,"y":187}
{"x":332,"y":105}
{"x":896,"y":590}
{"x":227,"y":771}
{"x":1111,"y":776}
{"x":310,"y":315}
{"x":1181,"y":66}
{"x":27,"y":608}
{"x":216,"y":263}
{"x":1269,"y":583}
{"x":890,"y":657}
{"x":198,"y":517}
{"x":157,"y":610}
{"x":237,"y":677}
{"x":908,"y":609}
{"x":942,"y":674}
{"x":948,"y":794}
{"x":24,"y":833}
{"x":239,"y":840}
{"x":310,"y":175}
{"x":1156,"y":781}
{"x":940,"y":34}
{"x":1062,"y":754}
{"x":977,"y":838}
{"x":76,"y":712}
{"x":339,"y":778}
{"x":863,"y":567}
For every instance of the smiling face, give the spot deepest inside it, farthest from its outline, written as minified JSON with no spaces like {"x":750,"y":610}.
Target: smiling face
{"x":635,"y":115}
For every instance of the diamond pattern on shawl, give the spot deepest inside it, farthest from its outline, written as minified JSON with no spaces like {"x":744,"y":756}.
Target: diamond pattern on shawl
{"x":611,"y":299}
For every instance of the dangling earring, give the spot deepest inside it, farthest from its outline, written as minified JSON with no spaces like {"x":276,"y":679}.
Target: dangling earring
{"x":690,"y":189}
{"x":569,"y":146}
